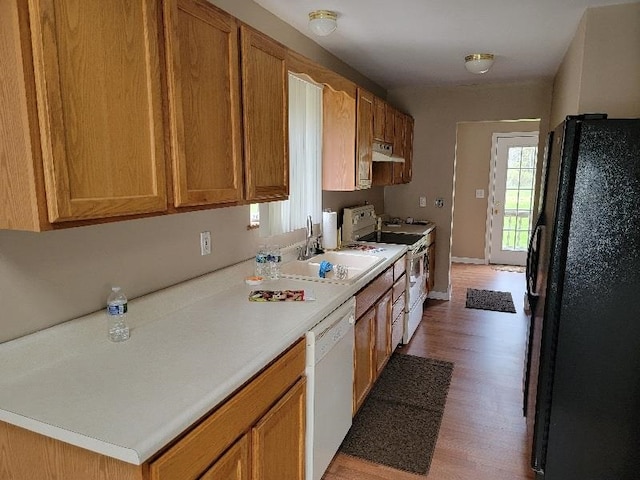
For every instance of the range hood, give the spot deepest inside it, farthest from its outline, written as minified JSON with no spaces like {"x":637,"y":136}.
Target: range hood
{"x":383,"y":152}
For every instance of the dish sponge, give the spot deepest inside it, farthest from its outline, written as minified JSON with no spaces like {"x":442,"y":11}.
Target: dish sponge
{"x":324,"y":268}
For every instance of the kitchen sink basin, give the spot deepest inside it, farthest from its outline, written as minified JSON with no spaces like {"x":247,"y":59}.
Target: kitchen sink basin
{"x":355,"y":265}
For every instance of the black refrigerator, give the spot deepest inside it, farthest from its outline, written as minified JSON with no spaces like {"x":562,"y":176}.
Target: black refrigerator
{"x":582,"y":372}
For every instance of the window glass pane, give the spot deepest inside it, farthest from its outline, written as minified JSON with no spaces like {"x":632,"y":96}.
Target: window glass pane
{"x":515,"y":154}
{"x":254,"y":214}
{"x":508,"y":239}
{"x":522,"y":238}
{"x":513,"y":178}
{"x":529,"y":157}
{"x":524,"y":200}
{"x":524,"y":221}
{"x":511,"y":200}
{"x":526,"y":178}
{"x":510,"y":222}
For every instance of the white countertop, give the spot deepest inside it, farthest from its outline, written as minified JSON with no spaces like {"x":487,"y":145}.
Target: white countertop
{"x":191,"y":346}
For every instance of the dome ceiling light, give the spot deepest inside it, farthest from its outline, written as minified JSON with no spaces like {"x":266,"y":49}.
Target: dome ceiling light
{"x":478,"y":62}
{"x":323,"y":22}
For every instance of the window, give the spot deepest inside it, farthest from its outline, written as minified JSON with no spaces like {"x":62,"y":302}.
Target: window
{"x":518,"y":205}
{"x":305,"y":164}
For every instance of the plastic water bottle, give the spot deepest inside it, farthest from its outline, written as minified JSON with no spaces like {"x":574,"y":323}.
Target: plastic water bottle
{"x":117,"y":316}
{"x":274,"y":259}
{"x":261,"y":261}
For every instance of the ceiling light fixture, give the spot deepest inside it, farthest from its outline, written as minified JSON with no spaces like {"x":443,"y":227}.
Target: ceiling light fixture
{"x":478,"y":62}
{"x":323,"y":22}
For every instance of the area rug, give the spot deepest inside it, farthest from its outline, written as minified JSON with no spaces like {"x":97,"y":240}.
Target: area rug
{"x":509,"y":268}
{"x":490,"y":300}
{"x":399,"y":421}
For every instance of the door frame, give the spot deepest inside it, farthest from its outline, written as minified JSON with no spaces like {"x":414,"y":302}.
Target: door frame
{"x":491,"y":188}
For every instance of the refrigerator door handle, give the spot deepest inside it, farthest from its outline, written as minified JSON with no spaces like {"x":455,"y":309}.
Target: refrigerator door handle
{"x":533,"y":257}
{"x":539,"y":231}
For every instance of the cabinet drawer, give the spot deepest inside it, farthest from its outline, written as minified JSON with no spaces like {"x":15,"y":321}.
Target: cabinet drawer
{"x":398,"y":308}
{"x":189,"y":457}
{"x":366,"y":297}
{"x":399,"y":288}
{"x":399,"y":267}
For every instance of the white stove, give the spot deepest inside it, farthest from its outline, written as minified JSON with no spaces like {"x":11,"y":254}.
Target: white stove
{"x":359,"y":224}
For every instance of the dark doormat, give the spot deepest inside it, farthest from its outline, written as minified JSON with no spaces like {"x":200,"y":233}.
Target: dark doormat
{"x":399,"y":421}
{"x":490,"y":300}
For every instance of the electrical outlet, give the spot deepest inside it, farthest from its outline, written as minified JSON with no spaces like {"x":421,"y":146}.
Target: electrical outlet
{"x":205,"y":243}
{"x":423,"y":201}
{"x":480,"y":193}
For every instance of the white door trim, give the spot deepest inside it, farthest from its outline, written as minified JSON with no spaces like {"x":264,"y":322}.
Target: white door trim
{"x":492,"y":176}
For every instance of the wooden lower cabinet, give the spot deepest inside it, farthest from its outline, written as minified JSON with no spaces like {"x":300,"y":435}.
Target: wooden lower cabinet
{"x":363,"y":374}
{"x":262,"y":408}
{"x":278,"y":439}
{"x":234,"y":465}
{"x":375,"y":306}
{"x":257,"y":433}
{"x":383,"y":332}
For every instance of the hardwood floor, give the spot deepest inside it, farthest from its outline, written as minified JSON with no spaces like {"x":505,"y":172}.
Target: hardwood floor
{"x":482,"y":436}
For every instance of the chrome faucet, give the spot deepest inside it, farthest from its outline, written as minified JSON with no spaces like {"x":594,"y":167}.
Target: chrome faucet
{"x":305,"y":253}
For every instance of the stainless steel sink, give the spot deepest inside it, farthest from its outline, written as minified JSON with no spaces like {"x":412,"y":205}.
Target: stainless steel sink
{"x":356,"y":265}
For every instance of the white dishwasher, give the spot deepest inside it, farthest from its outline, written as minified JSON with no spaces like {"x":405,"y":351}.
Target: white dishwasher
{"x":329,"y":387}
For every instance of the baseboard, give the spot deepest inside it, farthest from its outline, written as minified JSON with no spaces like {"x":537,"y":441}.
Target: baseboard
{"x":476,"y":261}
{"x":439,"y":295}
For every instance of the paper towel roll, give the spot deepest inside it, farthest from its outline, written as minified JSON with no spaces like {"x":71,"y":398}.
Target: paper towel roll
{"x":330,"y":230}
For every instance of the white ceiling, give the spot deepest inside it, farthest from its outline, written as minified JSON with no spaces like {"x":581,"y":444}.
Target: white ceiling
{"x":423,"y":42}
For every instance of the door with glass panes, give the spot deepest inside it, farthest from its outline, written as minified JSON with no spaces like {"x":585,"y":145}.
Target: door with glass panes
{"x":511,"y":209}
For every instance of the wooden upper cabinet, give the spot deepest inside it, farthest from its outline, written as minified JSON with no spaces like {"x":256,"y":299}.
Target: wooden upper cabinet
{"x":379,"y":108}
{"x":408,"y":149}
{"x":204,"y":103}
{"x":338,"y":140}
{"x":364,"y":139}
{"x":398,"y":133}
{"x":398,"y":146}
{"x":389,"y":119}
{"x":265,"y":115}
{"x":97,"y":77}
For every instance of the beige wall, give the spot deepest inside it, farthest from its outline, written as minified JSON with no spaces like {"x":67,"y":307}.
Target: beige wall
{"x":601,"y":69}
{"x":611,"y":68}
{"x":567,"y":83}
{"x":48,"y":278}
{"x":472,"y":172}
{"x":437,"y":112}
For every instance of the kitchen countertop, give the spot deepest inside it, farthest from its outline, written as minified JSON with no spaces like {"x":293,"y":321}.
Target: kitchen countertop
{"x":191,"y":346}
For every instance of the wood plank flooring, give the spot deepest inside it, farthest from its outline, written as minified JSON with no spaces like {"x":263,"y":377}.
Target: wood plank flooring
{"x":482,"y":436}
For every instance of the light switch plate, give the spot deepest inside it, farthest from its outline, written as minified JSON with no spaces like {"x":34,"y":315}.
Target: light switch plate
{"x":423,"y":201}
{"x":480,"y":193}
